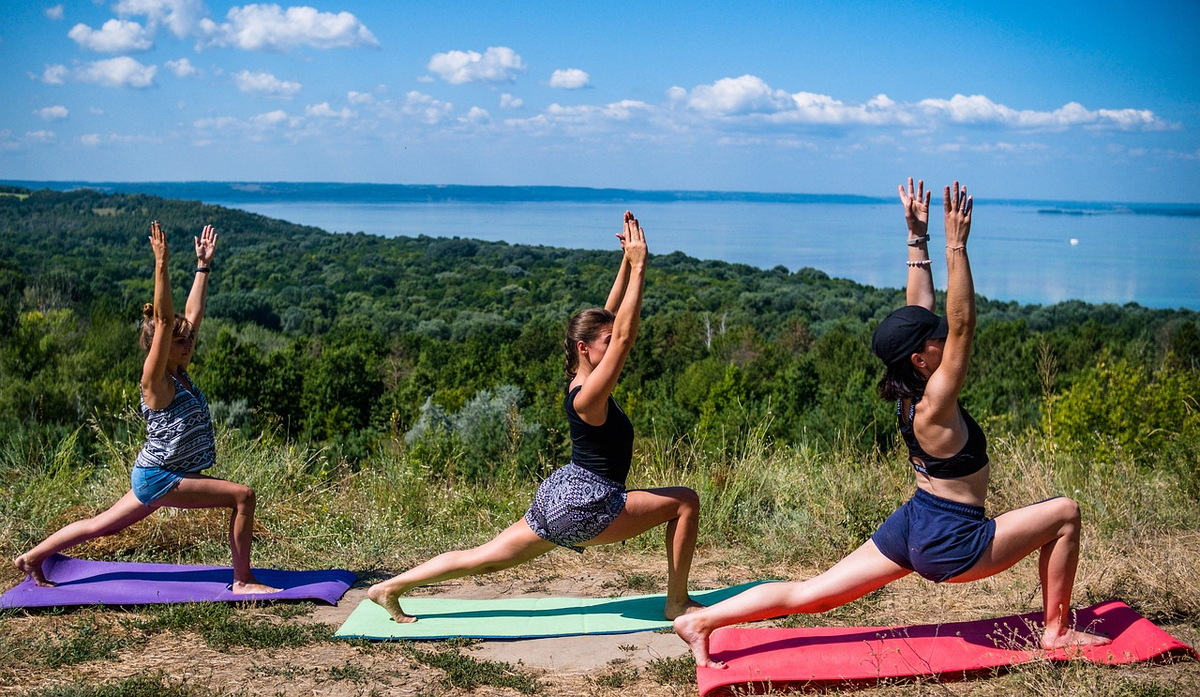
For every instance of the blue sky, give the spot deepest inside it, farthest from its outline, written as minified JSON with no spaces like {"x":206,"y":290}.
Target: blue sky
{"x":1045,"y":100}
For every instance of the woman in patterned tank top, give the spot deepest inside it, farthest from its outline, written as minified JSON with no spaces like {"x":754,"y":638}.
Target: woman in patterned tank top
{"x":179,"y":434}
{"x":585,"y":503}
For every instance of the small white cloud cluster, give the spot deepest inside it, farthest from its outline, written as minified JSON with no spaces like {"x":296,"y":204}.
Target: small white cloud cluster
{"x":569,"y":79}
{"x":978,"y":109}
{"x":115,"y":36}
{"x":271,"y":28}
{"x":53,"y":113}
{"x":496,"y":65}
{"x":181,"y":68}
{"x":265,"y":83}
{"x":748,"y":100}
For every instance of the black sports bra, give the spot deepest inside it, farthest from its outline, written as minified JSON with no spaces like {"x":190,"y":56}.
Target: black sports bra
{"x":972,"y":458}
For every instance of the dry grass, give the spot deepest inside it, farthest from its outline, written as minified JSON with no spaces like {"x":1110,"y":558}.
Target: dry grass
{"x":770,"y":511}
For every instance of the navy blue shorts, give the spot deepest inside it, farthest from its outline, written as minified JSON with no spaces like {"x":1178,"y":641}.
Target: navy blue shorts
{"x":937,"y":538}
{"x":574,"y":505}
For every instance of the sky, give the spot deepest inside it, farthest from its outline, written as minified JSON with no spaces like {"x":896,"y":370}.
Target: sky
{"x":1077,"y":101}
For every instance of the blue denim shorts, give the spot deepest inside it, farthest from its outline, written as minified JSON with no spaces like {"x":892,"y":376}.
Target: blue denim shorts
{"x":152,"y":483}
{"x":574,"y":505}
{"x":937,"y":538}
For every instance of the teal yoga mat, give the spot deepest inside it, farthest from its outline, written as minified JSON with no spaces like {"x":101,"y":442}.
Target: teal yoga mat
{"x":518,"y":618}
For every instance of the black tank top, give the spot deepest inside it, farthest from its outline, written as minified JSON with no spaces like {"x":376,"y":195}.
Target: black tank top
{"x":606,"y":450}
{"x":972,"y":458}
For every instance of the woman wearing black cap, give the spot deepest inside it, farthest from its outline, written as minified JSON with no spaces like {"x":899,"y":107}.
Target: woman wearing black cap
{"x":941,"y":532}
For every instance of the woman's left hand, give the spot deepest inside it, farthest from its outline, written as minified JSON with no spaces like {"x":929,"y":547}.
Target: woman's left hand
{"x":206,"y":245}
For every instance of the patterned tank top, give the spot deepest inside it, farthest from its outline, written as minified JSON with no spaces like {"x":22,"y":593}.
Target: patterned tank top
{"x":180,"y":437}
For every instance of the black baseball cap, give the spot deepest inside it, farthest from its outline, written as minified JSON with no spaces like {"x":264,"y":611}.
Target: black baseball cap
{"x":904,"y":332}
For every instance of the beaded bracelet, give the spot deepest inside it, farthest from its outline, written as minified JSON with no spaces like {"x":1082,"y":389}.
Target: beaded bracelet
{"x":919,"y":262}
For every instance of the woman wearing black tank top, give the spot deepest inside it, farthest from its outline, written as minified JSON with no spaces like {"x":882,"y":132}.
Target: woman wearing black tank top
{"x":941,"y":533}
{"x":585,"y":503}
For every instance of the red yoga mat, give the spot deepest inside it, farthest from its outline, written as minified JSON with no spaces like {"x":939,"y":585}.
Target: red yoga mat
{"x":759,"y":659}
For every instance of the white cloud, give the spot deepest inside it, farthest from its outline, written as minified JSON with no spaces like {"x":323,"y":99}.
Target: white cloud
{"x":95,"y":139}
{"x":266,"y":84}
{"x":426,"y":108}
{"x":740,"y":95}
{"x":181,"y":17}
{"x":181,"y":68}
{"x":55,"y":13}
{"x":979,"y":110}
{"x":360,"y":97}
{"x":477,"y":115}
{"x":52,"y":113}
{"x":115,"y":36}
{"x":323,"y":110}
{"x":271,"y":118}
{"x":507,"y":101}
{"x":569,"y":79}
{"x":40,"y":136}
{"x":122,"y":71}
{"x":269,"y":27}
{"x":55,"y":74}
{"x":496,"y":64}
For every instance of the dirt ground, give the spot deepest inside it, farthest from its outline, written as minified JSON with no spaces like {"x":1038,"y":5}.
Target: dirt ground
{"x":647,"y":664}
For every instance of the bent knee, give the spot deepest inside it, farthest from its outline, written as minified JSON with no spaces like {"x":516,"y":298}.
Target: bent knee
{"x":1067,"y":510}
{"x":688,"y":498}
{"x":244,"y":497}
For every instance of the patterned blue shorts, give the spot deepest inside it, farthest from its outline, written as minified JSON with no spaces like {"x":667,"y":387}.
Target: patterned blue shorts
{"x":152,"y":483}
{"x":936,"y":537}
{"x":574,"y":505}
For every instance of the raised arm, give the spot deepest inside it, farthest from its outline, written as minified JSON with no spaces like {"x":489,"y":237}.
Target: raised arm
{"x":592,"y":401}
{"x":946,"y":383}
{"x":622,"y":281}
{"x":206,"y":245}
{"x":916,"y":216}
{"x":155,"y":389}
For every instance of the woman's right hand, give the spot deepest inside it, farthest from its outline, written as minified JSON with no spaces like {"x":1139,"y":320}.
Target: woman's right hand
{"x":633,"y":240}
{"x":158,"y":241}
{"x":916,"y":208}
{"x":958,"y":216}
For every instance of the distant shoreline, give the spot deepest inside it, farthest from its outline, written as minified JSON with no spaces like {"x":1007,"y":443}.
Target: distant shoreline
{"x":365,"y":193}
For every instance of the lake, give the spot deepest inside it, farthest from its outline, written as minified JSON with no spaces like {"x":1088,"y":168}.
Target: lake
{"x":1023,"y":251}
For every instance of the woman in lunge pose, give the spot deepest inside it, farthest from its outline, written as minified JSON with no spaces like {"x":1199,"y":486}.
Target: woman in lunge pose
{"x":941,"y":532}
{"x":179,"y":433}
{"x":585,"y":503}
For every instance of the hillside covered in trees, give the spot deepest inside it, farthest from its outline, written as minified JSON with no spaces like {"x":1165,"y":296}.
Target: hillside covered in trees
{"x":358,"y":342}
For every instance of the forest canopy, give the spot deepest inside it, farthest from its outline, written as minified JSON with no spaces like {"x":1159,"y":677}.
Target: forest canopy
{"x":358,"y":342}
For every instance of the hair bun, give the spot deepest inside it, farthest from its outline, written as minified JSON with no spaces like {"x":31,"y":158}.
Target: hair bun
{"x":148,"y":310}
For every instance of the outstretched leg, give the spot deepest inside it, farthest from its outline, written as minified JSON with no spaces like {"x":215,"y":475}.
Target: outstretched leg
{"x":679,"y":508}
{"x":125,"y":512}
{"x":517,"y":544}
{"x":1052,"y":527}
{"x":862,"y":571}
{"x":201,"y":491}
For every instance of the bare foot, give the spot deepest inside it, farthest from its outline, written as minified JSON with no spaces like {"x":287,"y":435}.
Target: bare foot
{"x":252,"y":586}
{"x":389,"y":599}
{"x":32,"y":570}
{"x":674,"y":610}
{"x":1053,"y":639}
{"x":690,"y":630}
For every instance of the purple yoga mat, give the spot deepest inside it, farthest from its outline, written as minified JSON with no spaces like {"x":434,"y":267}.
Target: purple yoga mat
{"x":82,"y":582}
